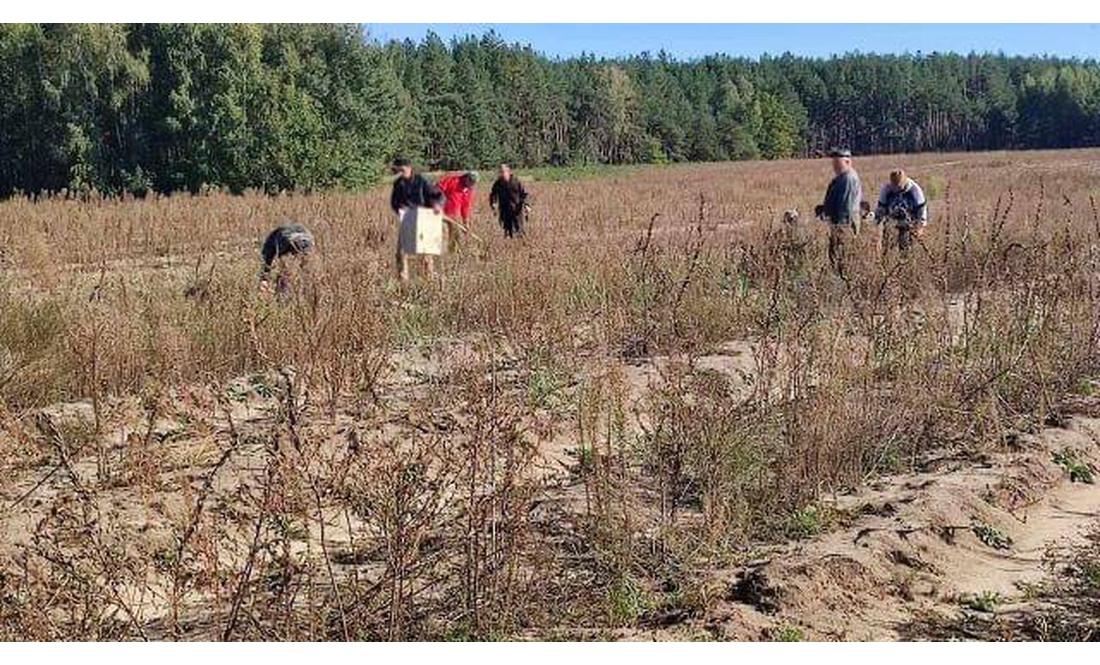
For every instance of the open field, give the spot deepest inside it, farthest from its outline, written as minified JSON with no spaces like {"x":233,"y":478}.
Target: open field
{"x":658,"y":415}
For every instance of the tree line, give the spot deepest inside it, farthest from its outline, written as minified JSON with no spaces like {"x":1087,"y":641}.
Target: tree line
{"x":152,"y":107}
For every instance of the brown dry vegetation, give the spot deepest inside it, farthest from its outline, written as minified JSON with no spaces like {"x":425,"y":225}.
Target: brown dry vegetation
{"x":563,"y":436}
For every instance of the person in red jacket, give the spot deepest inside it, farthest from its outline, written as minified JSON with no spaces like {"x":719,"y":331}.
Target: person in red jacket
{"x":459,"y":190}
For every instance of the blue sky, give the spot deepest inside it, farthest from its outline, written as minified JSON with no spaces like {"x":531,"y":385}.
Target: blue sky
{"x":692,"y":40}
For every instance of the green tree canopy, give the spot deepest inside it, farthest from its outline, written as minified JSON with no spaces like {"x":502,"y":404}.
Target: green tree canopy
{"x":132,"y":108}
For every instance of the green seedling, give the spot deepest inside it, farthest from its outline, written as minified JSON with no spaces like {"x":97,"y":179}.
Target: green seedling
{"x":259,"y":385}
{"x":1079,"y":472}
{"x":543,"y":389}
{"x":986,"y":602}
{"x":804,"y":523}
{"x":788,"y":634}
{"x":627,"y":602}
{"x":991,"y":536}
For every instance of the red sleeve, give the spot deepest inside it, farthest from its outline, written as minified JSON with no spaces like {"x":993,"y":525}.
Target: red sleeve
{"x":446,"y":185}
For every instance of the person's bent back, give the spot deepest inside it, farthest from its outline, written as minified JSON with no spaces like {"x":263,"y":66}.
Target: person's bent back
{"x":902,"y":200}
{"x":458,"y":188}
{"x":292,"y":240}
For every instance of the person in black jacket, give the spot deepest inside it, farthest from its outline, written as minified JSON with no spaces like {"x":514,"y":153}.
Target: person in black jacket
{"x":293,"y":240}
{"x":410,"y":189}
{"x":509,"y":198}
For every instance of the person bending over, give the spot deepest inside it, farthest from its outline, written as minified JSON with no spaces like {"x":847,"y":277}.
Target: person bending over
{"x":289,"y":246}
{"x":901,"y":202}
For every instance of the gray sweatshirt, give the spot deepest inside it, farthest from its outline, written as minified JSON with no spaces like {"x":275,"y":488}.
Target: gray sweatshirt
{"x":842,"y":198}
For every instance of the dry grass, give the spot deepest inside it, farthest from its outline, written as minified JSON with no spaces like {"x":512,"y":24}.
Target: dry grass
{"x":552,"y":439}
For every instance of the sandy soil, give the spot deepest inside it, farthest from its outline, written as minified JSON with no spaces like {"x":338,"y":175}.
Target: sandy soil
{"x":923,"y":545}
{"x":908,"y":553}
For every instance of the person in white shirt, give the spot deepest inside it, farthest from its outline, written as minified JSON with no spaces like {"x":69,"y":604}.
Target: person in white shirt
{"x":901,"y":202}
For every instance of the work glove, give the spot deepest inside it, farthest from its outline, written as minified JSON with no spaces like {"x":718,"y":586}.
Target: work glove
{"x":819,"y":211}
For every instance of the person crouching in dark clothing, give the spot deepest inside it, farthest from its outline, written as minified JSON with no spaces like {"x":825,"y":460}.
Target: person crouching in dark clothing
{"x":290,"y":240}
{"x":509,"y":199}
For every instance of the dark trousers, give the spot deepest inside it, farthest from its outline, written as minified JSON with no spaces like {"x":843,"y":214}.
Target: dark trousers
{"x":903,"y":238}
{"x":513,"y":225}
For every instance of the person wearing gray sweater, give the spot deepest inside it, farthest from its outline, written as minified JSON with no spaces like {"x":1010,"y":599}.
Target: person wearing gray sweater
{"x":842,"y":197}
{"x":841,"y":208}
